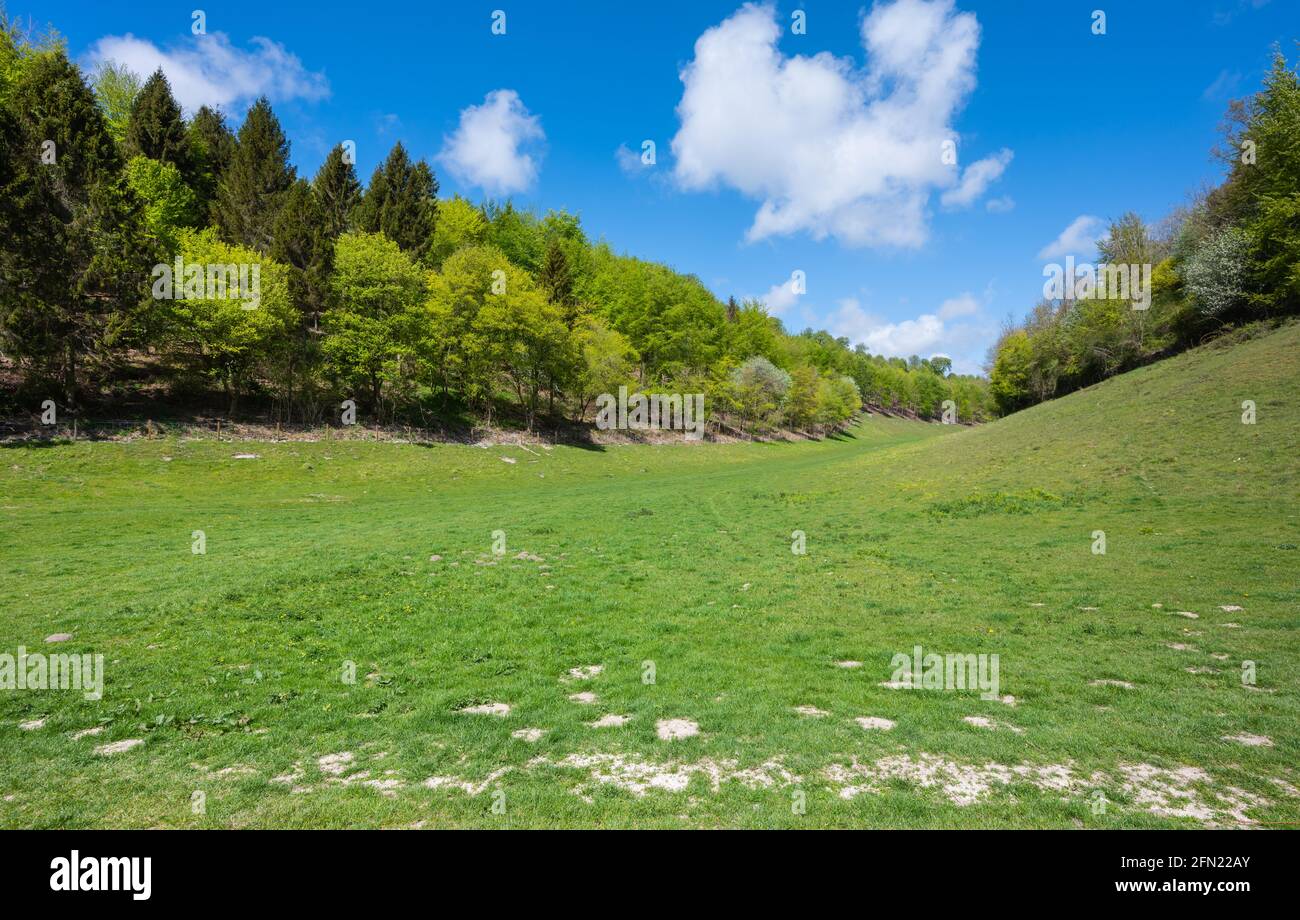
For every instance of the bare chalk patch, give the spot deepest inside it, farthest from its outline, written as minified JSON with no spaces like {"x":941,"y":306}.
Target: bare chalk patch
{"x":1230,"y":608}
{"x":531,"y":735}
{"x":469,"y":787}
{"x":58,"y":637}
{"x":32,"y":725}
{"x":874,"y":723}
{"x":87,"y":732}
{"x":990,"y":725}
{"x":610,"y":721}
{"x":586,"y":672}
{"x":962,"y":784}
{"x":1106,"y":682}
{"x":585,"y":698}
{"x":118,"y":747}
{"x":811,"y":711}
{"x":676,"y":729}
{"x":500,"y":710}
{"x":1188,"y":614}
{"x":1250,"y":740}
{"x":848,"y":664}
{"x":637,"y":775}
{"x":1186,"y":792}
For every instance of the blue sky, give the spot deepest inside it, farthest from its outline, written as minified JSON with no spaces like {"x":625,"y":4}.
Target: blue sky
{"x":775,"y":152}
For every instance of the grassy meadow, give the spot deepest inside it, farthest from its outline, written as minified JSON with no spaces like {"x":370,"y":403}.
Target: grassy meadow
{"x":671,"y":567}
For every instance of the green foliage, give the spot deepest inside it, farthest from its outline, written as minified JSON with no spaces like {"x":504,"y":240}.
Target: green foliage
{"x":401,"y":203}
{"x":116,"y":89}
{"x":1231,"y":257}
{"x":211,"y":330}
{"x":73,"y":264}
{"x":168,"y":203}
{"x":460,"y":224}
{"x":376,"y":320}
{"x":211,"y":147}
{"x":338,"y":191}
{"x":155,"y":128}
{"x":251,"y":188}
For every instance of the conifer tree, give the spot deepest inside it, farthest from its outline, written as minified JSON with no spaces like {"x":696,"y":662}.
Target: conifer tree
{"x":252,"y":187}
{"x":156,"y":129}
{"x":211,"y":147}
{"x":75,"y":257}
{"x":338,"y":191}
{"x":401,"y":202}
{"x":302,"y":241}
{"x":555,"y":278}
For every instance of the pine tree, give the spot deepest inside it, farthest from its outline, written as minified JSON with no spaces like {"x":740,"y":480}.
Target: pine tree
{"x":338,"y":191}
{"x":303,"y":242}
{"x":555,"y":278}
{"x":733,"y":309}
{"x":76,"y":272}
{"x":156,"y":129}
{"x":211,"y":148}
{"x":252,"y":187}
{"x":401,"y":202}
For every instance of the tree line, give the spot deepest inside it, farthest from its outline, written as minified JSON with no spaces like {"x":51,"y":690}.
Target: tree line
{"x":421,"y":309}
{"x":1229,"y":257}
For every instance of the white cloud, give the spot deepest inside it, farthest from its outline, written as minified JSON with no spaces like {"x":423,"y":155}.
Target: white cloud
{"x":976,"y":179}
{"x":1000,"y":205}
{"x":827,"y":148}
{"x":962,"y":305}
{"x":1078,"y":239}
{"x":630,"y":161}
{"x":209,"y":70}
{"x":927,"y":335}
{"x":781,"y":297}
{"x":486,"y":147}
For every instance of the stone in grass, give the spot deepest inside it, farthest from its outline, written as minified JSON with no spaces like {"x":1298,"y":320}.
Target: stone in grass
{"x":58,"y":637}
{"x":676,"y":729}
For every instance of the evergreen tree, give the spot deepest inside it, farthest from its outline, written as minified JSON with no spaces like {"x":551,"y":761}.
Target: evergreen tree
{"x":76,"y":268}
{"x":156,"y":129}
{"x":401,"y":202}
{"x":555,"y":278}
{"x":303,"y":242}
{"x":732,"y":309}
{"x":211,"y":148}
{"x":338,"y":191}
{"x":252,"y":187}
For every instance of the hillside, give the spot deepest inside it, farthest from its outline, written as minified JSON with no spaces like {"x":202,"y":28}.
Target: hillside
{"x":675,"y":562}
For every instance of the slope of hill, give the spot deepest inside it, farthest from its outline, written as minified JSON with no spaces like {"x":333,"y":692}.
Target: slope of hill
{"x":721,"y":676}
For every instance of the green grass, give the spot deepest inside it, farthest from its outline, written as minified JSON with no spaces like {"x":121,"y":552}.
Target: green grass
{"x":960,"y":540}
